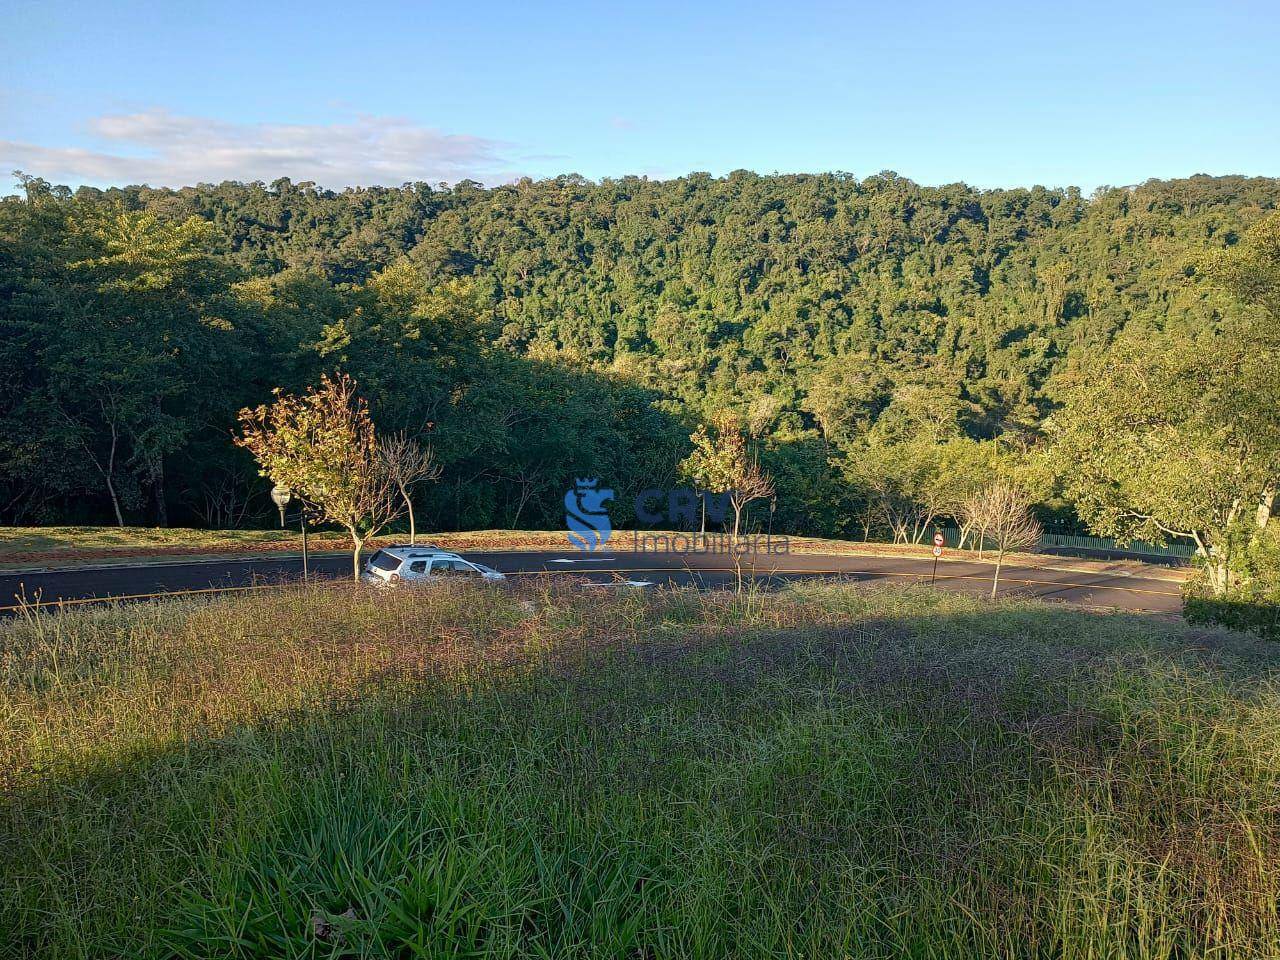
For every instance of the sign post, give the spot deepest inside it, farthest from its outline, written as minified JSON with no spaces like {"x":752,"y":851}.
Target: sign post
{"x":938,"y":541}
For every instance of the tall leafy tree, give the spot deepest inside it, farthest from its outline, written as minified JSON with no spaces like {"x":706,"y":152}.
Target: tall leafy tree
{"x":1162,"y":436}
{"x":135,"y":367}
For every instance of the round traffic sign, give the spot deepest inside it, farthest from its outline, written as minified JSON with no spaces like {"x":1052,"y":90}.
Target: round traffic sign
{"x":937,"y":551}
{"x":938,"y":540}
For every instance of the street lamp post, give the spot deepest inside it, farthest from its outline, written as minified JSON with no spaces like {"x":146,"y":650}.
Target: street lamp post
{"x":282,"y":497}
{"x":302,"y":510}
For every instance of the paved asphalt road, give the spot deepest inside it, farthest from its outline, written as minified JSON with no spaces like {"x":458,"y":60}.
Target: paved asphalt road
{"x":1125,"y":584}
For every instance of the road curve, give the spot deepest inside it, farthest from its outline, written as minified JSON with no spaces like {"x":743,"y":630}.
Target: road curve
{"x":1121,"y":585}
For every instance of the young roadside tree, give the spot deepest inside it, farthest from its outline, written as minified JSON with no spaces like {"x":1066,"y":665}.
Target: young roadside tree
{"x":740,"y":469}
{"x":896,"y":480}
{"x":1003,"y":513}
{"x":322,"y":446}
{"x":707,"y":467}
{"x":909,"y":486}
{"x":968,"y":466}
{"x":408,"y":463}
{"x":915,"y":465}
{"x":722,"y":460}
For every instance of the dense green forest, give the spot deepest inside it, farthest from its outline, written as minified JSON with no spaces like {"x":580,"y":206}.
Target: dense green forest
{"x":869,"y":334}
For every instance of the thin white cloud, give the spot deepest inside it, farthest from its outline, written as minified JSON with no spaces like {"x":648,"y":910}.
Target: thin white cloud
{"x":165,"y":149}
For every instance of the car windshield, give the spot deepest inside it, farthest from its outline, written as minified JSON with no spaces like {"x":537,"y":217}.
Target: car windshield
{"x":384,"y":561}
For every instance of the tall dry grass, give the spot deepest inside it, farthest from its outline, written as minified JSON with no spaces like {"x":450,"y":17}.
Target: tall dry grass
{"x":828,"y":771}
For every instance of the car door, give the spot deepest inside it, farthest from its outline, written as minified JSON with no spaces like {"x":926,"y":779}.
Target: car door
{"x":417,"y":570}
{"x":441,"y":567}
{"x":466,"y":570}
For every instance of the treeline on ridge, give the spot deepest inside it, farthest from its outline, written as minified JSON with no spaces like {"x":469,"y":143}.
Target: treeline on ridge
{"x":874,"y":336}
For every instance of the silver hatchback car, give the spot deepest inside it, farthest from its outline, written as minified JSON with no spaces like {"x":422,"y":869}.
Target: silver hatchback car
{"x":392,"y":566}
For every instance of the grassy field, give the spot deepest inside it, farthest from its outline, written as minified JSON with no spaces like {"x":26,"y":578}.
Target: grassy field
{"x":823,"y":772}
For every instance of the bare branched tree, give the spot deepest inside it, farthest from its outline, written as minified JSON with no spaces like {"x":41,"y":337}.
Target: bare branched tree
{"x":220,"y":499}
{"x":750,"y":482}
{"x":408,"y":463}
{"x":1002,"y":514}
{"x":104,"y":462}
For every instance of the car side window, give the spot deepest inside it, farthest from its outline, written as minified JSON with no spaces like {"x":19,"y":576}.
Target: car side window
{"x":418,"y":566}
{"x":453,"y":568}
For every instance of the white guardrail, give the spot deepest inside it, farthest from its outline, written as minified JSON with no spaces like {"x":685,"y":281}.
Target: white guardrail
{"x":1049,"y":540}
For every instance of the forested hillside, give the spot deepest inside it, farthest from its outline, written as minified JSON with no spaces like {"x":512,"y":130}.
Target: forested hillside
{"x":545,"y":330}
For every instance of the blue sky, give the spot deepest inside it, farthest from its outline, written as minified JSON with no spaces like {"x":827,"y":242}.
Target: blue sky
{"x":994,"y":94}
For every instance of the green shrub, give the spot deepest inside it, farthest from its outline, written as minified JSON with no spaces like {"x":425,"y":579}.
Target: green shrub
{"x":1260,"y":617}
{"x":1254,"y":601}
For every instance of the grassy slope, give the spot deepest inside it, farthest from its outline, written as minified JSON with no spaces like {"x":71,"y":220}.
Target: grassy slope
{"x":69,"y":546}
{"x":822,"y":772}
{"x":50,"y":539}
